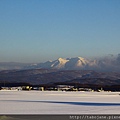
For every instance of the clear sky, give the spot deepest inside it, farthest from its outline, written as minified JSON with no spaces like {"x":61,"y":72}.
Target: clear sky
{"x":41,"y":30}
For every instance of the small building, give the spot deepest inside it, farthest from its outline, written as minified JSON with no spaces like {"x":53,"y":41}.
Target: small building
{"x":85,"y":89}
{"x":64,"y":87}
{"x":100,"y":90}
{"x":26,"y":88}
{"x":38,"y":88}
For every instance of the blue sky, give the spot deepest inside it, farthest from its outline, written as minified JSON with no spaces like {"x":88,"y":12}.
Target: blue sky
{"x":41,"y":30}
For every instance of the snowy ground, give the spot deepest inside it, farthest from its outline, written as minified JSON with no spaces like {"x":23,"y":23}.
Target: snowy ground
{"x":57,"y":102}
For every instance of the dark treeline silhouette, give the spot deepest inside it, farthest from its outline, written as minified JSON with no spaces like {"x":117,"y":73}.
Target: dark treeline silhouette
{"x":7,"y":84}
{"x":93,"y":86}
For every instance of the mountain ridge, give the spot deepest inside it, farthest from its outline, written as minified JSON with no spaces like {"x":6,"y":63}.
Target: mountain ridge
{"x":107,"y":64}
{"x":80,"y":63}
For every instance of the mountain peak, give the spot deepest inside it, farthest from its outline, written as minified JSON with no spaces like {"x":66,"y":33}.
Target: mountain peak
{"x":60,"y":58}
{"x":80,"y":58}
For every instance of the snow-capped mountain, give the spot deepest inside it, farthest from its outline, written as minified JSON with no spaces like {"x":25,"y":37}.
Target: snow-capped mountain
{"x":108,"y":63}
{"x":80,"y":63}
{"x":62,"y":63}
{"x":56,"y":64}
{"x":68,"y":64}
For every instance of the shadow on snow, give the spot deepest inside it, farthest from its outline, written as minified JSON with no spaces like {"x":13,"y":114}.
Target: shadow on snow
{"x":69,"y":103}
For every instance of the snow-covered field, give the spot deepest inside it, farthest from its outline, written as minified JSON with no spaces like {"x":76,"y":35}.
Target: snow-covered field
{"x":58,"y":102}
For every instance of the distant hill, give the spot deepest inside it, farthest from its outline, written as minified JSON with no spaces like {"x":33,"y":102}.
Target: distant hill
{"x":12,"y":65}
{"x":52,"y":76}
